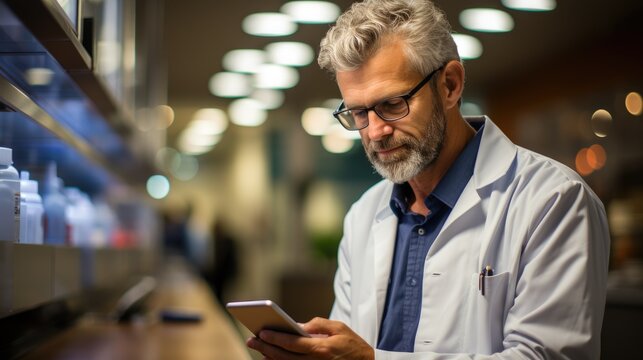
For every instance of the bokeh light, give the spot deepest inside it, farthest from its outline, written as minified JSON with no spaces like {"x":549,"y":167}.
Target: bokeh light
{"x":158,"y":186}
{"x":582,"y":167}
{"x":601,"y":122}
{"x":634,"y":103}
{"x":596,"y":156}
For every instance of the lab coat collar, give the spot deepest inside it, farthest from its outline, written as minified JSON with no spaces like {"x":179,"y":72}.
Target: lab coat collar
{"x":496,"y":153}
{"x":495,"y":156}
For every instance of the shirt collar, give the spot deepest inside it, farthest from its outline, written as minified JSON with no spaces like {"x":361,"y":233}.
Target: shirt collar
{"x":452,"y":183}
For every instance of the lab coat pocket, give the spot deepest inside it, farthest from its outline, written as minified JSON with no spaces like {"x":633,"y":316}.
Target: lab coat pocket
{"x":489,"y":311}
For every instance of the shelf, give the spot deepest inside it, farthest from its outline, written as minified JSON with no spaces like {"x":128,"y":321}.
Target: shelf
{"x":33,"y":275}
{"x":47,"y":22}
{"x":74,"y":106}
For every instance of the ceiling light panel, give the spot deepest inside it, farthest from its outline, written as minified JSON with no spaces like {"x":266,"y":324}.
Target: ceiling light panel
{"x":336,"y":140}
{"x":486,"y":20}
{"x":317,"y":120}
{"x":290,"y":53}
{"x":247,"y":112}
{"x":311,"y":12}
{"x":469,"y":47}
{"x":268,"y":98}
{"x":272,"y":76}
{"x":530,"y":5}
{"x":244,"y":60}
{"x":269,"y":24}
{"x":209,"y":121}
{"x":230,"y":85}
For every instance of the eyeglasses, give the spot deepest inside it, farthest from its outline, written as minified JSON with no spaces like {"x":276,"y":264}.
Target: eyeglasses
{"x":390,"y":109}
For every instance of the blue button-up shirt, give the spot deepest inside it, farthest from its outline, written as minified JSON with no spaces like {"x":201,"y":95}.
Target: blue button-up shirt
{"x":415,"y":234}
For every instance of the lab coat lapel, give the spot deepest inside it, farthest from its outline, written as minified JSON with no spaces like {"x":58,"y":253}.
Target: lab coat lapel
{"x":468,"y":199}
{"x":495,"y":156}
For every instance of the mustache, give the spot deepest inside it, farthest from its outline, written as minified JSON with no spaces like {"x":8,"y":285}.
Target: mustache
{"x":389,"y":143}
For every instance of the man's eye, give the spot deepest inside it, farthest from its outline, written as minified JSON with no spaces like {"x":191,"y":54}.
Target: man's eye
{"x":393,"y":103}
{"x":360,"y":113}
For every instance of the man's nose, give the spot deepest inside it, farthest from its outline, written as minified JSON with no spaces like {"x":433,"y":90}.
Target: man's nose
{"x":377,"y":128}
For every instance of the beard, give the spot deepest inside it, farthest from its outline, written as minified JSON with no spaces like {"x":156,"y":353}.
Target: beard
{"x":414,"y":155}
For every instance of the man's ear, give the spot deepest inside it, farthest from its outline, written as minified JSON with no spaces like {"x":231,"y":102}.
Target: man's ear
{"x":452,"y":83}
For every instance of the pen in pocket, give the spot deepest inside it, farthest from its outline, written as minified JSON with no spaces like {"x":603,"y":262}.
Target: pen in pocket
{"x":486,"y":271}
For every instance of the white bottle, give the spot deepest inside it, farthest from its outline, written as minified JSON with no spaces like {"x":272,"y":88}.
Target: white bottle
{"x":54,"y":202}
{"x":105,"y":224}
{"x":9,"y":197}
{"x":80,"y":216}
{"x":31,"y":211}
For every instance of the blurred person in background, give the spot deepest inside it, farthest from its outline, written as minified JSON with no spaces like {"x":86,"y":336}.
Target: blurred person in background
{"x":471,"y":247}
{"x":176,"y":240}
{"x":225,"y":267}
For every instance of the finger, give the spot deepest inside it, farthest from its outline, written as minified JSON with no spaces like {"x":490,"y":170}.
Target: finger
{"x":271,"y":351}
{"x":323,"y":326}
{"x":293,"y":343}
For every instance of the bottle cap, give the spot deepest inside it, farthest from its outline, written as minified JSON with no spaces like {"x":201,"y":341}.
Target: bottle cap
{"x":6,"y":156}
{"x":26,"y":185}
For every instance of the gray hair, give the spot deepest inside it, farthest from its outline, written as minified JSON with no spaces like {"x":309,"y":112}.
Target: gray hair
{"x":367,"y":25}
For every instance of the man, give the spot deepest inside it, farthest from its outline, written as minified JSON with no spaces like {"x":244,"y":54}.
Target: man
{"x":472,"y":247}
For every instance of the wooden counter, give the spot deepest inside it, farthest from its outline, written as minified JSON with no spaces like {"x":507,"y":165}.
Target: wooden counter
{"x":214,"y":337}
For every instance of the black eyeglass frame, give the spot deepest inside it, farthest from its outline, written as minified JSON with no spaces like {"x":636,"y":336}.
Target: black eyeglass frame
{"x":404,"y":97}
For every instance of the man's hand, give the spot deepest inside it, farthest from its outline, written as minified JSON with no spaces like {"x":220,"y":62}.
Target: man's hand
{"x":332,"y":340}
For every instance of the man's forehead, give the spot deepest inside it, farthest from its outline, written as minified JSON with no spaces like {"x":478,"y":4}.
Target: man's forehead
{"x":363,"y":87}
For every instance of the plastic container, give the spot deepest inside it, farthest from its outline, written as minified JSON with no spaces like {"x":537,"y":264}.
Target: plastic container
{"x":31,"y":211}
{"x":56,"y":231}
{"x":105,"y":224}
{"x":80,"y":217}
{"x":9,"y":197}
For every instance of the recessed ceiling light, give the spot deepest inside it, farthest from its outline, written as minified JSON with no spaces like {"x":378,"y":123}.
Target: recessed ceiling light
{"x":243,"y":60}
{"x":269,"y":24}
{"x":230,"y":85}
{"x":268,"y":98}
{"x":317,"y":120}
{"x":209,"y":121}
{"x":192,"y":136}
{"x":530,"y":5}
{"x":290,"y":53}
{"x":486,"y":20}
{"x":311,"y":12}
{"x":336,"y":140}
{"x":247,"y":112}
{"x":469,"y":47}
{"x":272,"y":76}
{"x":188,"y":148}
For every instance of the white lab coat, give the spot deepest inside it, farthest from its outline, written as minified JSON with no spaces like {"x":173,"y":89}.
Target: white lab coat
{"x":538,"y":225}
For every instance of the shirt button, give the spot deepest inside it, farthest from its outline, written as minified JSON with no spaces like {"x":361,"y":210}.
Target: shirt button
{"x":413,"y":282}
{"x":421,"y":231}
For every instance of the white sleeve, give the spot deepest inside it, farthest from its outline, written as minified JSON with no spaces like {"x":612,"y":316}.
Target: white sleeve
{"x":342,"y":284}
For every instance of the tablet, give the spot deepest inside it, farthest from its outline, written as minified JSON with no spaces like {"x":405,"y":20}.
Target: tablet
{"x":258,"y":315}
